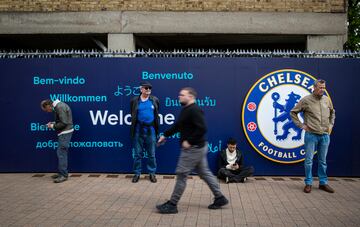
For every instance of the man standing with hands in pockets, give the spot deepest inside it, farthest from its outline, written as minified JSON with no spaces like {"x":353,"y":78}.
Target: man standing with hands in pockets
{"x":194,"y":149}
{"x":319,"y":118}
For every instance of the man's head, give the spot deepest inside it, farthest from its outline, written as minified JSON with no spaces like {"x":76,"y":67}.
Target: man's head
{"x":46,"y":105}
{"x":231,"y":145}
{"x":319,"y":87}
{"x":187,"y":96}
{"x":145,"y":88}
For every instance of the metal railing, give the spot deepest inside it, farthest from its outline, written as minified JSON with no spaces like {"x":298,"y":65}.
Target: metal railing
{"x":189,"y":53}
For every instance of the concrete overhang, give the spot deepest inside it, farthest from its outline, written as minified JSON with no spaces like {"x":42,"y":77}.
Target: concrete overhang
{"x":174,"y":22}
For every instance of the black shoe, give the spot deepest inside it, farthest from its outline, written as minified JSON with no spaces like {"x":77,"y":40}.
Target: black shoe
{"x":135,"y":178}
{"x":153,"y":178}
{"x":218,"y":203}
{"x":242,"y":180}
{"x":55,"y":176}
{"x":60,"y":179}
{"x":167,"y":208}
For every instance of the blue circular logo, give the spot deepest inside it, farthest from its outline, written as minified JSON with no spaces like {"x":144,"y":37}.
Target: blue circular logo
{"x":266,"y":115}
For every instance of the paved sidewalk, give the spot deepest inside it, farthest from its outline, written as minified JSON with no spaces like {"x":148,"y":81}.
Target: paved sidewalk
{"x":112,"y":200}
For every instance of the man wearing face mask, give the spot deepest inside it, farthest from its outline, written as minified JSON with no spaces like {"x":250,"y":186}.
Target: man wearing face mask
{"x":319,"y":118}
{"x":144,"y":130}
{"x":194,"y":149}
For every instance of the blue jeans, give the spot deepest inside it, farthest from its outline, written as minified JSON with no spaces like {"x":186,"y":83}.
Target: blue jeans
{"x":144,"y":146}
{"x":62,"y":153}
{"x":319,"y":143}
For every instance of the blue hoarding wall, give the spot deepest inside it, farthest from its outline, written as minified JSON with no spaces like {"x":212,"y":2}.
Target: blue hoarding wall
{"x":245,"y":98}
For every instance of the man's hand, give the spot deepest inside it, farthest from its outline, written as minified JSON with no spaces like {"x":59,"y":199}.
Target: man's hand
{"x":50,"y":125}
{"x":235,"y":167}
{"x":330,"y":130}
{"x":185,"y":144}
{"x":305,"y":127}
{"x":161,"y":140}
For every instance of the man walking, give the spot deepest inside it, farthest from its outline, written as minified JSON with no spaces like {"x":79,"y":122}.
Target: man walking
{"x":319,"y":118}
{"x":194,"y":149}
{"x":144,"y":130}
{"x":64,"y":127}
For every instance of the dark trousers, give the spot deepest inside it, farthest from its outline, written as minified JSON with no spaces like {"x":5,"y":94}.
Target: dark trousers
{"x":194,"y":158}
{"x":236,"y":175}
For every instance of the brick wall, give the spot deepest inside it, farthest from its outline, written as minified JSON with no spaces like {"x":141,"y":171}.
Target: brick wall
{"x":334,"y":6}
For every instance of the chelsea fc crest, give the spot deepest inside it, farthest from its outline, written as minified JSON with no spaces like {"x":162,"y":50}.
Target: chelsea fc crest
{"x":266,"y":115}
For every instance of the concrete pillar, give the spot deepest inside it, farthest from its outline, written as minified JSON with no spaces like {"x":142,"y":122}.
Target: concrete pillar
{"x":325,"y":42}
{"x":121,"y":42}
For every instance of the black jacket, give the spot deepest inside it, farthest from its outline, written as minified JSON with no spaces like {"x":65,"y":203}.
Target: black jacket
{"x":223,"y":159}
{"x":134,"y":104}
{"x":191,"y":125}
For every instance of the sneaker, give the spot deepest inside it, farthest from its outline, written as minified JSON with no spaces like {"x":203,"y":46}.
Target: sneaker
{"x":218,"y":203}
{"x":167,"y":208}
{"x":55,"y":176}
{"x":153,"y":178}
{"x":60,"y":179}
{"x":135,"y":178}
{"x":327,"y":188}
{"x":242,"y":180}
{"x":227,"y":180}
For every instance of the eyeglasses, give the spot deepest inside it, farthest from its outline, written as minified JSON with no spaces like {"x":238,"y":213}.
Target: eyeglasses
{"x":147,"y":88}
